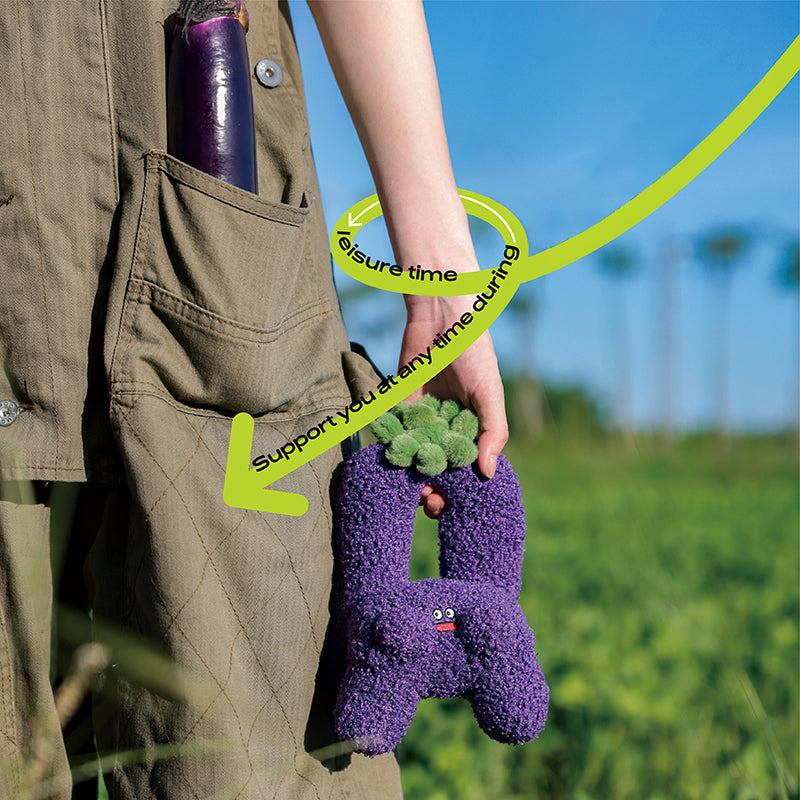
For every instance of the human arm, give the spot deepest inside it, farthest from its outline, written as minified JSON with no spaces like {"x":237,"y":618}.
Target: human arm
{"x":380,"y":54}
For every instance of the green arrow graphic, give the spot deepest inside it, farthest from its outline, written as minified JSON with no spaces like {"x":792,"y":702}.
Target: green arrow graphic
{"x":245,"y":487}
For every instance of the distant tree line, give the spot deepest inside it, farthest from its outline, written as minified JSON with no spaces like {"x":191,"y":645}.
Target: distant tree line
{"x":535,"y":407}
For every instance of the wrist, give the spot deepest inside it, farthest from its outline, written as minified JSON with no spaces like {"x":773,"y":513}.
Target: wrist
{"x":435,"y":310}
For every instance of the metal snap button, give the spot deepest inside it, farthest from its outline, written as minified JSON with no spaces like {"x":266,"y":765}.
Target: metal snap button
{"x":9,"y":411}
{"x":269,"y":73}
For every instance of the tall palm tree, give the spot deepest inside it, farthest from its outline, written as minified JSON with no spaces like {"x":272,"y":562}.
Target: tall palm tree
{"x":528,"y":400}
{"x":788,"y":278}
{"x":618,"y":264}
{"x":720,"y":252}
{"x":674,"y":251}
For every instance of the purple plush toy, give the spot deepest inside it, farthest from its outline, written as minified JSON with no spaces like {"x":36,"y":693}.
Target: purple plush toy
{"x":460,"y":635}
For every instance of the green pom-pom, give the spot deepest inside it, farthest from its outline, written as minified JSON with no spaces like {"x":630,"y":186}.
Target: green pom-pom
{"x":449,"y":409}
{"x":437,"y":431}
{"x":400,"y":409}
{"x":402,"y":450}
{"x":430,"y":434}
{"x":418,"y":415}
{"x":422,"y":435}
{"x":458,"y":449}
{"x":386,"y":427}
{"x":430,"y":400}
{"x":465,"y":423}
{"x":430,"y":459}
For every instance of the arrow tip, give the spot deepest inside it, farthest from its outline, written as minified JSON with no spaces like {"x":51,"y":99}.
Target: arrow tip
{"x":244,"y":487}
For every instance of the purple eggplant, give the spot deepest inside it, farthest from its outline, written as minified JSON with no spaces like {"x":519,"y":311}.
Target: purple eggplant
{"x":209,"y":94}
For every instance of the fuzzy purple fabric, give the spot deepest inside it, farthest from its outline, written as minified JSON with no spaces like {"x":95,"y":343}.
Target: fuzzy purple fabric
{"x":460,"y":635}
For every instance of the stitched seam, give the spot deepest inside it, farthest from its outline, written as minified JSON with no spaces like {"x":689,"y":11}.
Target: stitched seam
{"x":188,"y":312}
{"x":210,"y":672}
{"x":174,"y":762}
{"x":142,"y":231}
{"x":111,"y":131}
{"x":244,"y":787}
{"x":176,"y":301}
{"x":230,"y":661}
{"x":203,"y":573}
{"x":7,"y":680}
{"x":252,"y":617}
{"x":253,"y":648}
{"x":6,"y":735}
{"x":231,"y":604}
{"x":312,"y":528}
{"x":294,"y":668}
{"x":159,"y":163}
{"x":221,"y":584}
{"x":299,"y":586}
{"x":191,"y":644}
{"x":8,"y":695}
{"x":219,"y":464}
{"x":129,"y":614}
{"x":160,"y":394}
{"x":38,"y":233}
{"x":299,"y":658}
{"x":171,"y":484}
{"x":35,"y":468}
{"x":245,"y":744}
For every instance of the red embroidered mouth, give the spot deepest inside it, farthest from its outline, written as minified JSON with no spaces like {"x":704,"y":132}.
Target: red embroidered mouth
{"x":446,"y":626}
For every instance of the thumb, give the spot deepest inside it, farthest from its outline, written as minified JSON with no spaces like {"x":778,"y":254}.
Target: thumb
{"x":493,"y":436}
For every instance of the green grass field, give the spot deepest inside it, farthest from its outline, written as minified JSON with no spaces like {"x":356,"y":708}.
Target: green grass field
{"x":663,"y":590}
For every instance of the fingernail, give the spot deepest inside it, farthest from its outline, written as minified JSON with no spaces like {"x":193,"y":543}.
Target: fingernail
{"x":492,"y":466}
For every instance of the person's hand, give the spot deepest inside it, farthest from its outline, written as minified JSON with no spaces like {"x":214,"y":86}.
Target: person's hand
{"x":473,"y":379}
{"x":404,"y":141}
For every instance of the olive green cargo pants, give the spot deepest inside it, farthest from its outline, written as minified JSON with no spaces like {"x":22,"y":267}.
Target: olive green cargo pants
{"x":143,"y":304}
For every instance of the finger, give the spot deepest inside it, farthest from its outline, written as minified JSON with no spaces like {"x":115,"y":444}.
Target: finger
{"x":433,"y":505}
{"x":493,"y":437}
{"x":426,"y":492}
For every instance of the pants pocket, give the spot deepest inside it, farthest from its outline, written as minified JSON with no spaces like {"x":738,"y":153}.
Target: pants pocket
{"x":221,"y":309}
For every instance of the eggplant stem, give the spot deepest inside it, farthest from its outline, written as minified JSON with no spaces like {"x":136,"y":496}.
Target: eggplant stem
{"x":194,"y":11}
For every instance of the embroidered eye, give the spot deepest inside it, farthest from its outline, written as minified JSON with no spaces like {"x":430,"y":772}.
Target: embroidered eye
{"x":437,"y":614}
{"x":449,"y":613}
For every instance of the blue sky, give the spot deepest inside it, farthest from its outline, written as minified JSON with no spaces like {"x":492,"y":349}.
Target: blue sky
{"x":562,"y":111}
